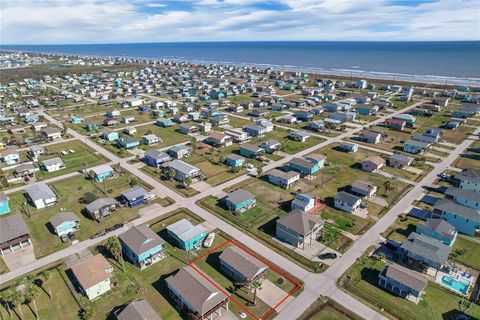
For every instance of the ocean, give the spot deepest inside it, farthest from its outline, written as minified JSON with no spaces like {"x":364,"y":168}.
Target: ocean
{"x":456,"y":62}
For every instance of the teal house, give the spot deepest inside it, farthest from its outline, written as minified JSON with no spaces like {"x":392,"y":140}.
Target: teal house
{"x":307,"y":166}
{"x":240,"y":201}
{"x":164,"y":122}
{"x":186,"y":235}
{"x":64,"y":223}
{"x":408,"y":118}
{"x":92,"y":127}
{"x":102,"y":172}
{"x":142,"y":246}
{"x":250,"y":151}
{"x":127,"y":142}
{"x":110,"y":135}
{"x":234,"y":160}
{"x":4,"y":206}
{"x":76,"y":119}
{"x":414,"y":146}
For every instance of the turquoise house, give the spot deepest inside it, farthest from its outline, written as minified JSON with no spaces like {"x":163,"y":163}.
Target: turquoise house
{"x":164,"y":122}
{"x":465,"y":220}
{"x":438,"y":229}
{"x":64,"y":223}
{"x":76,"y":120}
{"x":92,"y":127}
{"x":186,"y":235}
{"x":110,"y":135}
{"x":217,"y":95}
{"x":414,"y":146}
{"x":127,"y":142}
{"x":408,"y":118}
{"x":307,"y":166}
{"x":142,"y":246}
{"x":4,"y":206}
{"x":288,"y":87}
{"x":240,"y":200}
{"x":234,"y":160}
{"x":102,"y":172}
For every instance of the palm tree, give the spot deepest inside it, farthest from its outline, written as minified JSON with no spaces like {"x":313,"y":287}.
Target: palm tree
{"x":259,"y":171}
{"x":45,"y":277}
{"x":171,"y":174}
{"x":387,"y":185}
{"x":6,"y":298}
{"x":114,"y":246}
{"x":31,"y":294}
{"x":17,"y":300}
{"x":187,"y":182}
{"x":87,"y":313}
{"x":133,"y":182}
{"x":256,"y":285}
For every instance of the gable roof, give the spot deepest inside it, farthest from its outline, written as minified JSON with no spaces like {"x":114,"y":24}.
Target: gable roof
{"x":449,"y":206}
{"x":243,"y":262}
{"x":182,"y":166}
{"x":426,"y":247}
{"x":376,"y":160}
{"x":469,"y":174}
{"x":39,"y":191}
{"x":302,"y":163}
{"x":440,"y":226}
{"x":12,"y":227}
{"x":141,"y":239}
{"x":185,"y":230}
{"x":406,"y":277}
{"x":101,"y":169}
{"x":100,"y":203}
{"x":239,"y":196}
{"x":138,"y":310}
{"x":52,"y":161}
{"x":62,"y":217}
{"x":464,"y":193}
{"x":133,"y":193}
{"x":200,"y":294}
{"x":347,"y":197}
{"x":301,"y":223}
{"x":92,"y":271}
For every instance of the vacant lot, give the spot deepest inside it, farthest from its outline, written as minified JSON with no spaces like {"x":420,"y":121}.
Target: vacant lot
{"x":288,"y":145}
{"x":466,"y":252}
{"x":326,"y":309}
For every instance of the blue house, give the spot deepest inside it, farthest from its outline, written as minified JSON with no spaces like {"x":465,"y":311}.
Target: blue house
{"x":240,"y":201}
{"x":110,"y":135}
{"x":154,"y":158}
{"x":64,"y":223}
{"x":466,"y":220}
{"x":142,"y":246}
{"x":143,"y":108}
{"x":402,"y":282}
{"x":367,"y":110}
{"x":465,"y":197}
{"x":134,"y":197}
{"x":76,"y":119}
{"x":127,"y":142}
{"x":4,"y":206}
{"x":250,"y":150}
{"x":438,"y":229}
{"x":186,"y":235}
{"x":303,"y":115}
{"x":32,"y":118}
{"x":234,"y":160}
{"x":92,"y":127}
{"x":306,"y":167}
{"x":414,"y":146}
{"x":255,"y":130}
{"x":216,"y":94}
{"x":102,"y":172}
{"x":164,"y":122}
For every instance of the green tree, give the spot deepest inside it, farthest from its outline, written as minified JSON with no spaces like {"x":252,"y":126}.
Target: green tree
{"x":17,"y":300}
{"x":31,"y":294}
{"x":171,"y":174}
{"x":133,"y":182}
{"x":114,"y":246}
{"x":259,"y":171}
{"x":387,"y":185}
{"x":6,"y":298}
{"x":87,"y":313}
{"x":187,"y":182}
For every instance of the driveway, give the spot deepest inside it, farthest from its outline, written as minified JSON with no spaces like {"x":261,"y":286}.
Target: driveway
{"x":201,"y":186}
{"x":272,"y":295}
{"x":19,"y":258}
{"x":227,"y":315}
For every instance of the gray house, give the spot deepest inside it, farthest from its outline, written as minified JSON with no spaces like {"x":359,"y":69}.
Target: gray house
{"x":240,"y":266}
{"x":402,"y":282}
{"x":185,"y":170}
{"x":298,"y":228}
{"x":137,"y":310}
{"x":40,"y":195}
{"x":399,"y":160}
{"x":421,"y":250}
{"x":14,"y":234}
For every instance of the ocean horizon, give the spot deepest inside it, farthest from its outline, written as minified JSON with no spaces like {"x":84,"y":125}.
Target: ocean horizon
{"x":454,"y":62}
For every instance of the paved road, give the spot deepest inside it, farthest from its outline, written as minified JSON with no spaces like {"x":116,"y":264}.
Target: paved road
{"x":315,"y":284}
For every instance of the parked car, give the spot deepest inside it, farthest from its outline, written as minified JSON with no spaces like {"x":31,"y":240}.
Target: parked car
{"x":328,"y":255}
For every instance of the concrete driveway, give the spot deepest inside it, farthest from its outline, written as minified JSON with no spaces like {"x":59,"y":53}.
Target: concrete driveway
{"x":19,"y":258}
{"x":272,"y":295}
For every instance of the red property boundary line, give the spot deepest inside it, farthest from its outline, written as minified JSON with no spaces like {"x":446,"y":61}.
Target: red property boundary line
{"x":272,"y":267}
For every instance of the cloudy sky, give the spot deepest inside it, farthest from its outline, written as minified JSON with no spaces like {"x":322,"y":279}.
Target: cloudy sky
{"x":120,"y":21}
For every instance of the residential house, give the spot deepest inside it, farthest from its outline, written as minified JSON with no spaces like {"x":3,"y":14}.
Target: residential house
{"x":218,"y":139}
{"x":15,"y":234}
{"x":304,"y":202}
{"x":307,"y":167}
{"x":180,"y":151}
{"x":466,"y":220}
{"x":188,"y":128}
{"x":35,"y":151}
{"x":52,"y":133}
{"x":349,"y":147}
{"x":271,"y":145}
{"x":234,"y":160}
{"x":186,"y":235}
{"x":373,"y":164}
{"x":370,"y":137}
{"x":164,"y":122}
{"x":110,"y":135}
{"x":363,"y":188}
{"x":64,"y":223}
{"x":298,"y":228}
{"x":283,"y":179}
{"x":154,"y":158}
{"x":185,"y":170}
{"x":242,"y":267}
{"x":25,"y":170}
{"x":135,"y":196}
{"x":195,"y":295}
{"x":468,"y":179}
{"x":303,"y":115}
{"x":219,"y":120}
{"x":102,"y":172}
{"x":421,"y":250}
{"x":255,"y":130}
{"x":414,"y":146}
{"x":403,"y":282}
{"x":398,"y":160}
{"x":423,"y":138}
{"x":250,"y":151}
{"x":316,"y":125}
{"x":395,"y":124}
{"x":142,"y":246}
{"x":260,"y":112}
{"x":101,"y":208}
{"x":127,"y":142}
{"x":137,"y":310}
{"x":238,"y":135}
{"x":53,"y":164}
{"x":10,"y":156}
{"x":4,"y":205}
{"x":300,"y":136}
{"x":40,"y":195}
{"x":438,"y":229}
{"x":408,"y":118}
{"x":465,"y":197}
{"x":130,"y":130}
{"x":367,"y":110}
{"x":347,"y":202}
{"x":92,"y":276}
{"x":240,"y":201}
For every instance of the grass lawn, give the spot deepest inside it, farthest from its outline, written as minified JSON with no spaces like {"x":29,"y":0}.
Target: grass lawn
{"x":468,"y":160}
{"x":458,"y":135}
{"x":169,"y":135}
{"x":240,"y":98}
{"x":69,"y":192}
{"x":237,"y":122}
{"x":326,"y":309}
{"x":3,"y":266}
{"x":333,"y":238}
{"x":172,"y":184}
{"x":61,"y":306}
{"x":401,"y":229}
{"x":289,"y":146}
{"x":436,"y":302}
{"x":467,"y":252}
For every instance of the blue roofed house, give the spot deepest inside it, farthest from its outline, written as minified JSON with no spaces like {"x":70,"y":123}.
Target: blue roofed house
{"x":164,"y":122}
{"x":403,"y":282}
{"x":4,"y":206}
{"x":154,"y":158}
{"x":135,"y":196}
{"x":240,"y":201}
{"x":316,"y":125}
{"x":102,"y":172}
{"x":64,"y":223}
{"x":466,"y":220}
{"x":76,"y":119}
{"x":414,"y":146}
{"x":142,"y":246}
{"x":186,"y":235}
{"x":127,"y":142}
{"x":234,"y":160}
{"x":367,"y":110}
{"x":109,"y":135}
{"x":438,"y":229}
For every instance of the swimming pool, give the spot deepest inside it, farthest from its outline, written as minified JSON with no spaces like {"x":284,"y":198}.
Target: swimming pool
{"x":455,"y":285}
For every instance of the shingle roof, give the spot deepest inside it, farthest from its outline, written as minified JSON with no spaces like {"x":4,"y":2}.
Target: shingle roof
{"x":39,"y":191}
{"x":239,"y":196}
{"x":244,"y":263}
{"x":469,"y":174}
{"x":347,"y":197}
{"x":200,"y":294}
{"x":182,"y":166}
{"x":100,"y":203}
{"x":406,"y":276}
{"x":234,"y":157}
{"x":91,"y":271}
{"x":283,"y":175}
{"x":464,"y":193}
{"x":62,"y":217}
{"x":426,"y":247}
{"x":140,"y":239}
{"x":440,"y":226}
{"x":12,"y":227}
{"x":134,"y":193}
{"x":138,"y":310}
{"x":156,"y":154}
{"x":303,"y":163}
{"x":446,"y":205}
{"x":363,"y":185}
{"x":300,"y":222}
{"x":53,"y":161}
{"x":377,"y":160}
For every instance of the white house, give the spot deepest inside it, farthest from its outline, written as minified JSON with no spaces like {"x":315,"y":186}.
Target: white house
{"x":92,"y":275}
{"x":346,"y":201}
{"x":40,"y":195}
{"x":54,"y":164}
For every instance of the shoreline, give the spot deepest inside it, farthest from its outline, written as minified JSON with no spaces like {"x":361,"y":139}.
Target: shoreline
{"x":397,"y":78}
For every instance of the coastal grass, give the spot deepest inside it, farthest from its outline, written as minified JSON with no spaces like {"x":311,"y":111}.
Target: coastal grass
{"x":466,"y":252}
{"x":327,"y":309}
